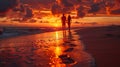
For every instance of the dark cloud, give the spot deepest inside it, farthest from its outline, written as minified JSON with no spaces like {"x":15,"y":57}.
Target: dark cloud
{"x":75,"y":2}
{"x":29,"y":13}
{"x":46,"y":1}
{"x":64,"y":6}
{"x":117,"y":11}
{"x":80,"y":12}
{"x":29,"y":2}
{"x":94,"y":8}
{"x":66,"y":3}
{"x":5,"y":5}
{"x":39,"y":3}
{"x":21,"y":8}
{"x":32,"y":3}
{"x":56,"y":9}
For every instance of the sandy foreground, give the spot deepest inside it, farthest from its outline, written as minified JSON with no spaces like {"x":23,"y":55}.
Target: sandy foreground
{"x":48,"y":49}
{"x":103,"y":43}
{"x":63,"y":48}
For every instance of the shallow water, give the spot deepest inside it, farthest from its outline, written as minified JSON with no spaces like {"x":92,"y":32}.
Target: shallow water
{"x":50,"y":49}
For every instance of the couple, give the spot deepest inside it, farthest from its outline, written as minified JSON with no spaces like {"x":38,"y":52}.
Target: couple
{"x":63,"y":19}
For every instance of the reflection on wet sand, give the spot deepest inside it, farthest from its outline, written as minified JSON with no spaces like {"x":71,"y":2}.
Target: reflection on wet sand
{"x":53,"y":49}
{"x":55,"y":60}
{"x":60,"y":59}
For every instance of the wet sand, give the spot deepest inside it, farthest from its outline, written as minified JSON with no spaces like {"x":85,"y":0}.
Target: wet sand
{"x":49,"y":49}
{"x":103,"y":43}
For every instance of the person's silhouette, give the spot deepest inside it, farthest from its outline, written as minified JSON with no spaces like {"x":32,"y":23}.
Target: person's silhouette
{"x":63,"y":18}
{"x":69,"y":22}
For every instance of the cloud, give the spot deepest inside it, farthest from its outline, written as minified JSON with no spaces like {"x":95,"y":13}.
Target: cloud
{"x":5,"y":5}
{"x":66,"y":3}
{"x":56,"y":9}
{"x":62,"y":6}
{"x":80,"y":12}
{"x":28,"y":13}
{"x":39,"y":3}
{"x":46,"y":1}
{"x":94,"y":8}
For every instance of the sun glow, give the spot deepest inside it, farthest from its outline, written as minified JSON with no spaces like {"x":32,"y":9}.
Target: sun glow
{"x":53,"y":20}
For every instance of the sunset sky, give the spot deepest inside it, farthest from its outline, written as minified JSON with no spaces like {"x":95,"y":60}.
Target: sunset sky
{"x":51,"y":10}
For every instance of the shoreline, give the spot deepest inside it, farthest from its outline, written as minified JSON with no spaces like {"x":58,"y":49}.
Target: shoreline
{"x":11,"y":32}
{"x":103,"y":44}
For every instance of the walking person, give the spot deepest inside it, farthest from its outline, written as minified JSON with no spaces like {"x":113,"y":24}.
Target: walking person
{"x":63,"y":19}
{"x":69,"y":22}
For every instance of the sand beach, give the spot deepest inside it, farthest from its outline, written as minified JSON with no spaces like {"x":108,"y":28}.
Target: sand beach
{"x":103,"y":43}
{"x":80,"y":47}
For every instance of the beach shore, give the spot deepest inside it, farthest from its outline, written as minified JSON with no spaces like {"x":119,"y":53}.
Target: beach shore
{"x":19,"y":31}
{"x":103,"y":43}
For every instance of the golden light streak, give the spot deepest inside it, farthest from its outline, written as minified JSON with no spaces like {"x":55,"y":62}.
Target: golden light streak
{"x":57,"y":36}
{"x":56,"y":61}
{"x":58,"y":51}
{"x":43,"y":11}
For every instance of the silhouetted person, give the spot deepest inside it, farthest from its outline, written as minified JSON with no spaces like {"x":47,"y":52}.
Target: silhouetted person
{"x":63,"y":19}
{"x":69,"y":22}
